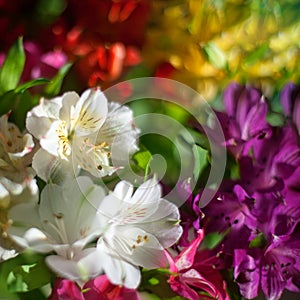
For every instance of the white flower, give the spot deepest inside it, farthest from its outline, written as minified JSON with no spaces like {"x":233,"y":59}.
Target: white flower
{"x":131,"y":229}
{"x":81,"y":131}
{"x":15,"y":158}
{"x":6,"y":254}
{"x":65,"y":221}
{"x":139,"y":227}
{"x":17,"y":183}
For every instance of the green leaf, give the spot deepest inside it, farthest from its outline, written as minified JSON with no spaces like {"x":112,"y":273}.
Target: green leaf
{"x":138,"y":72}
{"x":36,"y":294}
{"x":256,"y":55}
{"x":48,"y":11}
{"x":211,"y":240}
{"x":232,"y":287}
{"x":176,"y":112}
{"x":195,"y":137}
{"x":258,"y":242}
{"x":53,"y":88}
{"x":19,"y":104}
{"x":12,"y":68}
{"x":23,"y":87}
{"x":10,"y":264}
{"x":275,"y":119}
{"x":28,"y":277}
{"x":155,"y":282}
{"x":142,"y":158}
{"x":201,"y":160}
{"x":215,"y":55}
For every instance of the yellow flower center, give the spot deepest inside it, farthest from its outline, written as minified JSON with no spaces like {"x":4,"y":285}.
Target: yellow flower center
{"x":64,"y":140}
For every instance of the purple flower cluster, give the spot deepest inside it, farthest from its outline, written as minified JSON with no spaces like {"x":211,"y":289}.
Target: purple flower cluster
{"x":259,"y":213}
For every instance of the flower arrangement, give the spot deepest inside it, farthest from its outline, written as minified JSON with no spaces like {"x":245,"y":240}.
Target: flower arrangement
{"x":149,"y":150}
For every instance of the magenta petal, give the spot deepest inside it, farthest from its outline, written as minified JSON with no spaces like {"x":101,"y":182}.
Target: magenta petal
{"x":101,"y":288}
{"x":290,"y":101}
{"x":296,"y":114}
{"x":193,"y":278}
{"x":93,"y":289}
{"x":288,"y":98}
{"x":182,"y":289}
{"x":247,"y":272}
{"x":186,"y":257}
{"x":256,"y":121}
{"x":272,"y":283}
{"x":65,"y":290}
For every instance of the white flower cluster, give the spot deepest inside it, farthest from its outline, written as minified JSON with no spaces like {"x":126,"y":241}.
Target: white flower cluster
{"x":84,"y":229}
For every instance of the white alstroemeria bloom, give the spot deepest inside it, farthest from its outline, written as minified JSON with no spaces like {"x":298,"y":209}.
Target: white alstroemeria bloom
{"x":15,"y":158}
{"x":65,"y":222}
{"x":17,"y":183}
{"x":81,"y":131}
{"x":7,"y":254}
{"x":139,"y":227}
{"x":119,"y":132}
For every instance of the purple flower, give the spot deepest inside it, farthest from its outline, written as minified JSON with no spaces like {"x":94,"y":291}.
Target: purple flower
{"x":245,"y":119}
{"x":292,"y":189}
{"x":40,"y":64}
{"x":272,"y":162}
{"x":228,"y":214}
{"x":272,"y":262}
{"x":290,"y":100}
{"x":190,"y":214}
{"x":272,"y":269}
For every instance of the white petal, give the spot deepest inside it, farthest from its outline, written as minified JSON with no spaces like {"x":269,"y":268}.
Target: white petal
{"x":40,"y":118}
{"x":119,"y":132}
{"x":38,"y":241}
{"x":69,"y":101}
{"x":28,"y":145}
{"x":117,"y":270}
{"x":12,"y":187}
{"x":148,"y":192}
{"x":136,"y":246}
{"x":52,"y":209}
{"x":123,"y":213}
{"x":38,"y":126}
{"x":52,"y":202}
{"x":132,"y":276}
{"x":164,"y":223}
{"x":82,"y":266}
{"x":135,"y":209}
{"x":167,"y":233}
{"x":73,"y":210}
{"x":89,"y":265}
{"x":91,"y":112}
{"x":84,"y":197}
{"x":4,"y":196}
{"x":63,"y":267}
{"x":43,"y":163}
{"x":50,"y":140}
{"x":110,"y":206}
{"x":7,"y":254}
{"x":24,"y":217}
{"x":52,"y":168}
{"x":91,"y":158}
{"x":30,"y":193}
{"x":123,"y":190}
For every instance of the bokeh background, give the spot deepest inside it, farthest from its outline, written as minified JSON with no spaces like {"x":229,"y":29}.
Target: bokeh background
{"x":204,"y":44}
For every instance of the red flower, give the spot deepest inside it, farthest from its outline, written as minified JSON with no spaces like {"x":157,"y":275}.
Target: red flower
{"x":194,"y":275}
{"x":99,"y":288}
